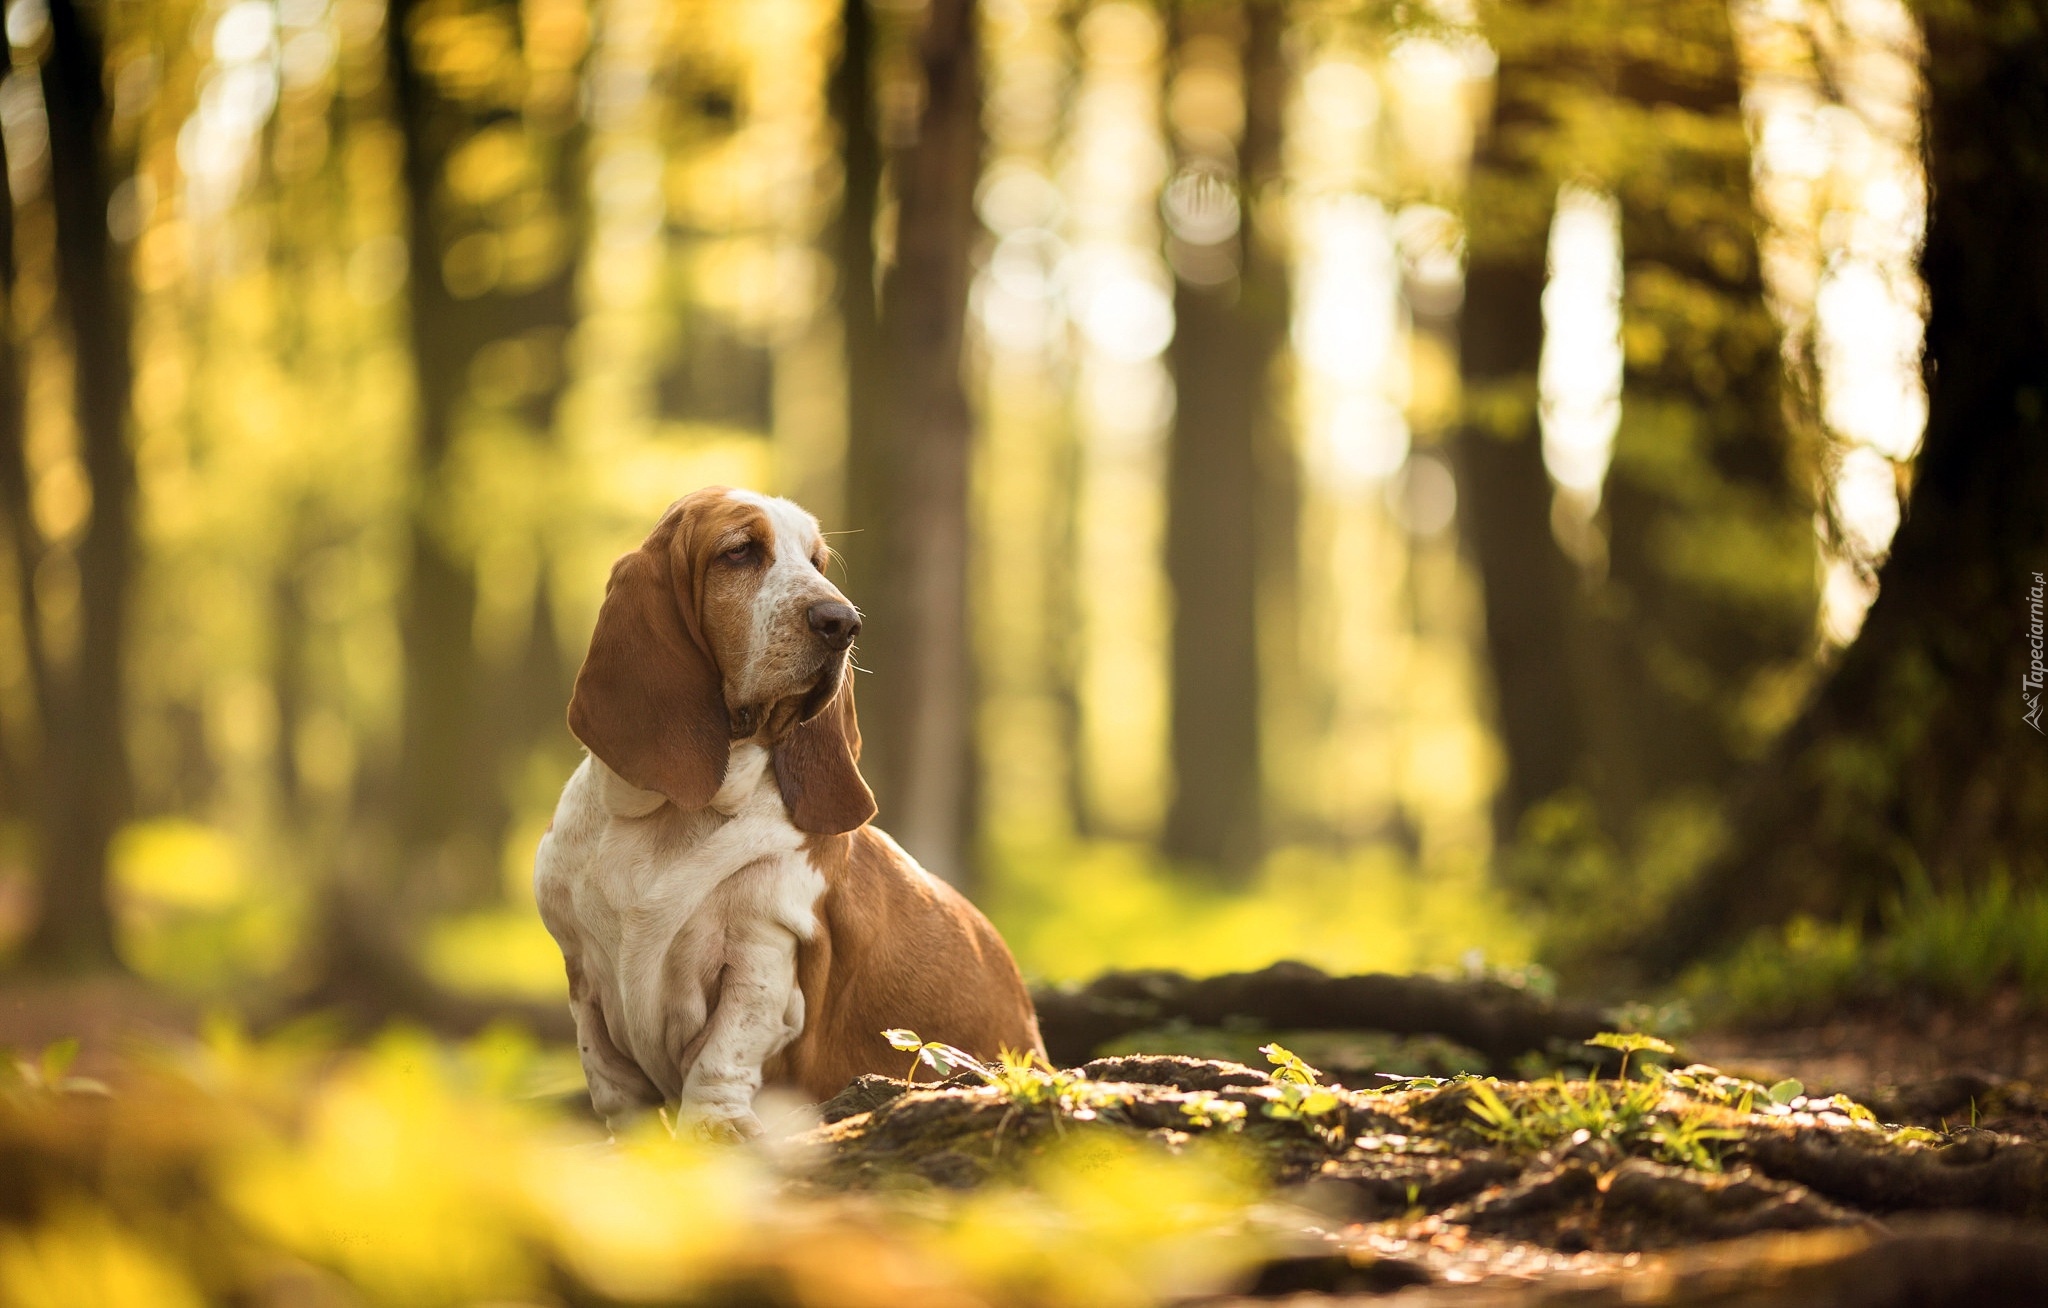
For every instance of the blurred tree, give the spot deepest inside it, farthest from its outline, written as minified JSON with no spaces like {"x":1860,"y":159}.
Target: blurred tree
{"x":23,"y":544}
{"x":850,"y":98}
{"x":1917,"y":762}
{"x":1230,"y":313}
{"x":1639,"y":669}
{"x":1530,"y":587}
{"x":910,"y":436}
{"x":491,"y":210}
{"x":84,"y":765}
{"x":1711,"y":593}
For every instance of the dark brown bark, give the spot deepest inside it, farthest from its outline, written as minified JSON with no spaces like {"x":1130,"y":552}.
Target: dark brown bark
{"x":851,"y":97}
{"x":863,"y":544}
{"x":449,"y":814}
{"x":1219,"y":524}
{"x":908,"y":465}
{"x":1498,"y":1021}
{"x":85,"y":760}
{"x":1915,"y":761}
{"x":288,"y":679}
{"x":23,"y":543}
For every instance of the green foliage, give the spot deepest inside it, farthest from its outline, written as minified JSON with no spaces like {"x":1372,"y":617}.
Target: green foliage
{"x":1595,"y":888}
{"x":1684,"y":1116}
{"x":1637,"y":1116}
{"x":1954,"y":946}
{"x":942,"y":1058}
{"x":1365,"y":911}
{"x":47,"y":1073}
{"x":1209,"y":1110}
{"x":1288,"y":1069}
{"x":1632,"y":1042}
{"x":1025,"y":1080}
{"x":1303,"y":1097}
{"x":195,"y":913}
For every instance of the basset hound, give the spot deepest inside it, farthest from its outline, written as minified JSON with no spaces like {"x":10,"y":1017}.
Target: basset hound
{"x":727,"y":915}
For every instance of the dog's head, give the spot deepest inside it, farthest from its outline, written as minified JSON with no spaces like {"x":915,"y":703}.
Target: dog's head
{"x":722,"y":627}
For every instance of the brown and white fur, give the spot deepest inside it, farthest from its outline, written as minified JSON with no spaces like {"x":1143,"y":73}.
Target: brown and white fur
{"x":727,"y":916}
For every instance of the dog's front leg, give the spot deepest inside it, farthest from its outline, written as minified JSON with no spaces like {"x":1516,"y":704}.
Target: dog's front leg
{"x":759,"y":1010}
{"x":619,"y":1090}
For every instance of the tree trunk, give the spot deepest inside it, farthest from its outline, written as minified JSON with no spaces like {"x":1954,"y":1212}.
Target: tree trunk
{"x":1530,"y":588}
{"x":1710,"y":597}
{"x":449,"y":814}
{"x":20,"y":768}
{"x":909,"y":454}
{"x":85,"y":752}
{"x":851,"y":98}
{"x":1919,"y":758}
{"x":1230,"y":311}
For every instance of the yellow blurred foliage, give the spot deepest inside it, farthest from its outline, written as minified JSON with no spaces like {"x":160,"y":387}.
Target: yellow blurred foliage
{"x":81,"y":1258}
{"x":419,"y":1173}
{"x":179,"y":863}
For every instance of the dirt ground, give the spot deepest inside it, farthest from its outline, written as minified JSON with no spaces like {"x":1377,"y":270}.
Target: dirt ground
{"x":1870,"y":1055}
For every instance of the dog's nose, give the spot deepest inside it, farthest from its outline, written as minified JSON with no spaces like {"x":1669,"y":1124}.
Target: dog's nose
{"x":837,"y":623}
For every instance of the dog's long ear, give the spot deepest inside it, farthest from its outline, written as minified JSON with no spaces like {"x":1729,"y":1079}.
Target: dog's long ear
{"x":648,"y":702}
{"x":817,"y":767}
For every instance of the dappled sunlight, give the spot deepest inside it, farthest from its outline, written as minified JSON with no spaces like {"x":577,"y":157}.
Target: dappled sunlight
{"x":1360,"y":521}
{"x":1070,"y":913}
{"x":1832,"y":95}
{"x":1580,"y":377}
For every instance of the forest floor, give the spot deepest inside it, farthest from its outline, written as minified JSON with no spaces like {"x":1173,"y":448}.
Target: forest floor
{"x":1891,"y":1156}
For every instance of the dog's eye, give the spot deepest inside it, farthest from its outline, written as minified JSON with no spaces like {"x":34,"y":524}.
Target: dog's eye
{"x":740,"y":553}
{"x":819,"y":563}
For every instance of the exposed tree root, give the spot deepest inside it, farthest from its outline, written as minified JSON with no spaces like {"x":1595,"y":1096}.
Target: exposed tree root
{"x":1982,"y":1170}
{"x":1421,"y":1195}
{"x":1946,"y":1262}
{"x":1498,"y":1020}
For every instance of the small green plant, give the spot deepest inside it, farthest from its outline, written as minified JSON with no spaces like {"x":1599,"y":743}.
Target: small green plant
{"x":1631,"y":1115}
{"x":48,"y":1073}
{"x":1025,"y":1080}
{"x":1400,"y":1082}
{"x":1688,"y":1138}
{"x":1288,"y":1066}
{"x":1303,"y":1097}
{"x":1207,"y":1109}
{"x":1500,"y":1123}
{"x":942,"y":1058}
{"x":1630,"y":1042}
{"x":1028,"y":1079}
{"x":1852,"y":1110}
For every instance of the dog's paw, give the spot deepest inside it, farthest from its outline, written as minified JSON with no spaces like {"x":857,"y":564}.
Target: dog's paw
{"x":716,"y":1124}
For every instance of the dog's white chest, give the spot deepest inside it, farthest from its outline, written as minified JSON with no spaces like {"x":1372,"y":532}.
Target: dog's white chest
{"x":687,"y":924}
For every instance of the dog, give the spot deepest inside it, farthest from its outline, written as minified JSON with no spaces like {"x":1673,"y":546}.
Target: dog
{"x":727,"y":916}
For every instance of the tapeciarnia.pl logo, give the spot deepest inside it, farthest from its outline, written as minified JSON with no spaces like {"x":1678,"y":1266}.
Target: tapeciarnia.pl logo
{"x":2030,"y":684}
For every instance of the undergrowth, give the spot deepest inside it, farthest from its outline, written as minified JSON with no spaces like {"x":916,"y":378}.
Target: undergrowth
{"x":1953,"y":946}
{"x":1686,"y":1117}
